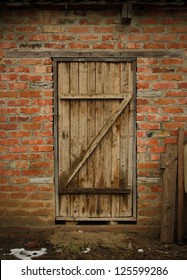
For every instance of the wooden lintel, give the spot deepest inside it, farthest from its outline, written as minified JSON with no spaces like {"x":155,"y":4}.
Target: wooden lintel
{"x":91,"y":56}
{"x":126,"y":13}
{"x":94,"y":191}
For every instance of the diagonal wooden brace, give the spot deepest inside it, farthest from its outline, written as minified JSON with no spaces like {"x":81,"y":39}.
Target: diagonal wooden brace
{"x":119,"y":109}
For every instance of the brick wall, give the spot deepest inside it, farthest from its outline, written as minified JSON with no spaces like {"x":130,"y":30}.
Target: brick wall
{"x":26,"y":112}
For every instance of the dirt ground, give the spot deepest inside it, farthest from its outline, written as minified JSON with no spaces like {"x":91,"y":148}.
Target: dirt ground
{"x":78,"y":244}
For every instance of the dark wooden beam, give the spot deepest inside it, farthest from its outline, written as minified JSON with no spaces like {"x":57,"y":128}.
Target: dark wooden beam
{"x":94,"y":191}
{"x":94,"y":54}
{"x":126,"y":13}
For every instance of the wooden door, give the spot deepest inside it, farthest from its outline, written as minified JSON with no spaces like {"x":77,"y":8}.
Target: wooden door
{"x":95,"y":141}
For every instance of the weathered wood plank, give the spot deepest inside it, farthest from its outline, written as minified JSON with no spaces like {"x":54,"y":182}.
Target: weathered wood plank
{"x":64,"y":129}
{"x":115,"y":152}
{"x":98,"y":190}
{"x":99,"y":137}
{"x":130,"y":126}
{"x":180,"y":146}
{"x":96,"y":96}
{"x":99,"y":121}
{"x":169,"y":195}
{"x":107,"y":111}
{"x":74,"y":120}
{"x":91,"y":121}
{"x":83,"y":80}
{"x":92,"y":56}
{"x":95,"y":219}
{"x":65,"y":205}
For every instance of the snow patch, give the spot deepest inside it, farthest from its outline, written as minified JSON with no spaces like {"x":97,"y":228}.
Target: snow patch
{"x":23,"y":254}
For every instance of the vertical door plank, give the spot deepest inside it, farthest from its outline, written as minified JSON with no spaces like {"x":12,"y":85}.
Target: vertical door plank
{"x":115,"y":86}
{"x":64,"y":129}
{"x":74,"y":120}
{"x":74,"y":141}
{"x":99,"y":157}
{"x":100,"y":81}
{"x":107,"y":139}
{"x":91,"y":121}
{"x":115,"y":128}
{"x":124,"y":130}
{"x":65,"y":205}
{"x":124,"y":78}
{"x":83,"y":80}
{"x":83,"y":88}
{"x":131,"y":129}
{"x":105,"y":200}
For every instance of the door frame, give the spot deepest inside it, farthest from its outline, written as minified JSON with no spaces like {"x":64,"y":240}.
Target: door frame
{"x":91,"y":57}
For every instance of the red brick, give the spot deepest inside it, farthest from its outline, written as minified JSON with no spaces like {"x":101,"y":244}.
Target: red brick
{"x":20,"y":134}
{"x":8,"y":77}
{"x":160,"y":149}
{"x":154,"y":29}
{"x":165,"y":101}
{"x":173,"y":61}
{"x":41,"y":164}
{"x":165,"y":38}
{"x":30,"y":94}
{"x":88,"y":38}
{"x":170,"y":125}
{"x":173,"y":110}
{"x":44,"y":102}
{"x":18,"y":102}
{"x":42,"y":148}
{"x":102,"y":29}
{"x":31,"y":110}
{"x":138,"y":37}
{"x":27,"y":77}
{"x":149,"y":126}
{"x":143,"y":85}
{"x":18,"y":85}
{"x":9,"y":172}
{"x":40,"y":119}
{"x":37,"y":141}
{"x":176,"y":93}
{"x":78,"y":46}
{"x":164,"y":85}
{"x":54,"y":46}
{"x":19,"y":149}
{"x":26,"y":29}
{"x":7,"y":126}
{"x":154,"y":46}
{"x":178,"y":29}
{"x":147,"y":109}
{"x":182,"y":101}
{"x":103,"y":46}
{"x":7,"y":45}
{"x":181,"y":45}
{"x":169,"y":21}
{"x":31,"y":126}
{"x":32,"y":172}
{"x":149,"y":20}
{"x":147,"y":77}
{"x":182,"y":85}
{"x":9,"y":142}
{"x":78,"y":29}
